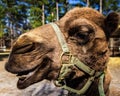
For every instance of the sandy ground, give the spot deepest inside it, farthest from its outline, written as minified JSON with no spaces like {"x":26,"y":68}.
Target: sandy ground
{"x":114,"y":66}
{"x":8,"y":83}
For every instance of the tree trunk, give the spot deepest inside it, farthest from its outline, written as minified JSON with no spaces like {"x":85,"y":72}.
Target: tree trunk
{"x":11,"y":33}
{"x":88,"y":3}
{"x":43,"y":15}
{"x":57,"y":11}
{"x":100,"y":6}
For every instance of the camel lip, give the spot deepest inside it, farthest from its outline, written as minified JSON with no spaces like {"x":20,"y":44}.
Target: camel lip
{"x":24,"y":77}
{"x":26,"y":73}
{"x":27,"y":78}
{"x":20,"y":71}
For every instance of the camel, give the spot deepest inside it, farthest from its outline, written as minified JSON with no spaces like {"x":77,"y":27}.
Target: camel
{"x":75,"y":57}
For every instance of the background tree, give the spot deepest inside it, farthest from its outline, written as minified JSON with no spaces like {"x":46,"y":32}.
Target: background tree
{"x":101,"y":6}
{"x":1,"y":20}
{"x":36,"y":16}
{"x":110,"y":5}
{"x":1,"y":25}
{"x":88,"y":3}
{"x":15,"y":14}
{"x":105,"y":6}
{"x":18,"y":16}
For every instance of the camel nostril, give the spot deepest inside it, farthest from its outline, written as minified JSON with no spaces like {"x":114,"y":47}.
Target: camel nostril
{"x":24,"y":49}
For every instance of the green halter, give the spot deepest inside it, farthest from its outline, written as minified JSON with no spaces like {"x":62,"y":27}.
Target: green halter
{"x":74,"y":61}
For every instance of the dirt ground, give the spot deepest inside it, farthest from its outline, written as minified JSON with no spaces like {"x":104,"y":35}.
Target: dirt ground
{"x":8,"y":83}
{"x":114,"y":66}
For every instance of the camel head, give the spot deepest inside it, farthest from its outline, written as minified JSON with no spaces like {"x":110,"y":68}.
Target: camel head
{"x":35,"y":55}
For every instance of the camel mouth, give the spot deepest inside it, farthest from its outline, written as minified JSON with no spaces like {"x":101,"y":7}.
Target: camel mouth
{"x":33,"y":75}
{"x":23,"y":77}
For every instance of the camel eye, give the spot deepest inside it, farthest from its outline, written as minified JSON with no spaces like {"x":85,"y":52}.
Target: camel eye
{"x":82,"y":35}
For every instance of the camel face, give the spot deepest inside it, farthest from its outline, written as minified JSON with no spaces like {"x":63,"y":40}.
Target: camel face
{"x":36,"y":54}
{"x":31,"y":59}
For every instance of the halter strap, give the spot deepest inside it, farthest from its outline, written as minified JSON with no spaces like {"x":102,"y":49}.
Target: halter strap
{"x":60,"y":37}
{"x":74,"y":61}
{"x":66,"y":52}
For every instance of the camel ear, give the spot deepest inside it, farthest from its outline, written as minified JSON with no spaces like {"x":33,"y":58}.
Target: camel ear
{"x":111,"y":23}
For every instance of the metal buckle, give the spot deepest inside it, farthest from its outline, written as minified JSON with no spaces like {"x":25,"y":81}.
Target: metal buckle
{"x":66,"y":58}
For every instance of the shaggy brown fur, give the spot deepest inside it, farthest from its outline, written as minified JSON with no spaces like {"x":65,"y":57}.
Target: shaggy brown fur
{"x":38,"y":52}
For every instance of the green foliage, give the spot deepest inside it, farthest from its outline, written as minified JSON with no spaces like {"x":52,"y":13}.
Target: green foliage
{"x":21,"y":11}
{"x":2,"y":14}
{"x":110,"y":5}
{"x":1,"y":34}
{"x":107,"y":5}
